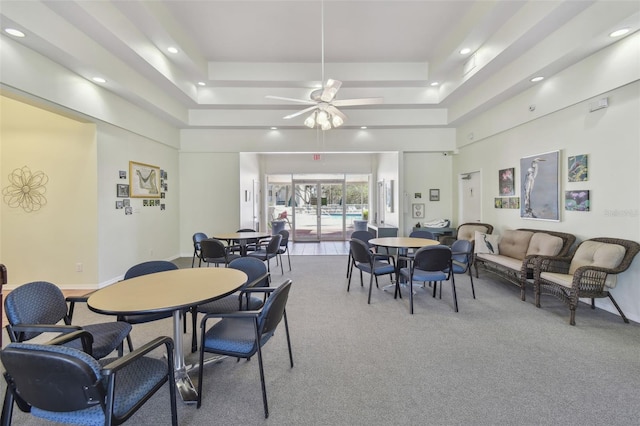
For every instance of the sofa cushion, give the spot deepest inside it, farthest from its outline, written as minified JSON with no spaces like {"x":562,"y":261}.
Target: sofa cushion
{"x":543,"y":244}
{"x":486,"y":243}
{"x":515,"y":243}
{"x":468,"y":232}
{"x":507,"y":262}
{"x":595,"y":253}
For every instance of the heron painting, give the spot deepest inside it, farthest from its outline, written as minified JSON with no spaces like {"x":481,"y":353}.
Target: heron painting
{"x":539,"y":175}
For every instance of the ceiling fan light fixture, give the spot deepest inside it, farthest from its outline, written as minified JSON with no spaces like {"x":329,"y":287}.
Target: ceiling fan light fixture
{"x":337,"y":121}
{"x":322,"y":118}
{"x":326,"y":125}
{"x":310,"y":121}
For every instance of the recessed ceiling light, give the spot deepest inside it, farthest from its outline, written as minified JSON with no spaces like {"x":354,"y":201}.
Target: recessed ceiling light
{"x":201,"y":83}
{"x":435,"y":83}
{"x":536,"y":79}
{"x":274,"y":128}
{"x":465,"y":51}
{"x":172,"y":49}
{"x":14,"y":32}
{"x":620,"y":32}
{"x":99,"y":80}
{"x":363,"y":127}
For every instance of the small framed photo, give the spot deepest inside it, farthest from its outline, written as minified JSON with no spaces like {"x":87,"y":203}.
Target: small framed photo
{"x":126,"y":202}
{"x":162,"y":206}
{"x":119,"y":204}
{"x":162,"y":195}
{"x":128,"y":210}
{"x":122,"y":190}
{"x":418,"y":210}
{"x":145,"y":203}
{"x":417,"y":195}
{"x":434,"y":195}
{"x":123,"y":174}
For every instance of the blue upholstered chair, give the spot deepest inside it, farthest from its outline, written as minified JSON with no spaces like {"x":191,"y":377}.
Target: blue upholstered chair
{"x":269,"y":251}
{"x":430,"y":264}
{"x":372,"y":263}
{"x":66,"y":385}
{"x":284,"y":246}
{"x":257,"y":276}
{"x":364,"y":236}
{"x":38,"y":307}
{"x":243,"y":334}
{"x":462,"y":258}
{"x":197,"y":238}
{"x":214,"y":251}
{"x":146,"y":268}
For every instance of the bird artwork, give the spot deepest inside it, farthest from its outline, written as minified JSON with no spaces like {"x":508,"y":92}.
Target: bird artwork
{"x":149,"y":182}
{"x":488,"y":244}
{"x":529,"y":181}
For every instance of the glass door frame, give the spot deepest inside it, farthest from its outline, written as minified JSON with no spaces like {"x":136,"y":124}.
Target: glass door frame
{"x":317,"y":236}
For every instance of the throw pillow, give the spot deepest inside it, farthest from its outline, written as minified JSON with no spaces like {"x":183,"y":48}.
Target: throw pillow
{"x":486,"y":243}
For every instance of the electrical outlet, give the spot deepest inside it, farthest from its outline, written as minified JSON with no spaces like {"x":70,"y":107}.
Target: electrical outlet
{"x":78,"y":267}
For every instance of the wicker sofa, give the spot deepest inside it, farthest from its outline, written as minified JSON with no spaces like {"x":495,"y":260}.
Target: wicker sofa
{"x":589,"y":272}
{"x":517,"y":251}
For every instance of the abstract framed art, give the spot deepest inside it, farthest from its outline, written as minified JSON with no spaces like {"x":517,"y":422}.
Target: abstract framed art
{"x":539,"y":177}
{"x":144,"y":180}
{"x":578,"y":168}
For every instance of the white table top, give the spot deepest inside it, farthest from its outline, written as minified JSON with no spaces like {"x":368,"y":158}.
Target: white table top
{"x":403,"y":242}
{"x":166,"y":291}
{"x":241,"y":235}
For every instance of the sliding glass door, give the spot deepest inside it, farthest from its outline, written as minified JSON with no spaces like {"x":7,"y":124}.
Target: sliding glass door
{"x":319,"y":207}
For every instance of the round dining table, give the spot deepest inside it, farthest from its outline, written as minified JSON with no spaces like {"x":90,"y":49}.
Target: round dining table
{"x":169,"y":291}
{"x":402,"y":245}
{"x":242,"y":237}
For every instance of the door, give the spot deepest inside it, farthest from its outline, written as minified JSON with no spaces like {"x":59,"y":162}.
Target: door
{"x":319,"y":213}
{"x":470,"y":192}
{"x":306,"y":211}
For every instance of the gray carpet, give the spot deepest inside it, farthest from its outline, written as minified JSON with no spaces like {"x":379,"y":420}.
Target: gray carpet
{"x":499,"y":361}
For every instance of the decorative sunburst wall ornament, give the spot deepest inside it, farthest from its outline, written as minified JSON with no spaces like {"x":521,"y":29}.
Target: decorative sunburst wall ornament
{"x":26,"y":190}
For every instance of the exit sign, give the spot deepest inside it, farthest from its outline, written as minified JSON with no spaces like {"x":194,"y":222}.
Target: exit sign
{"x":316,"y":157}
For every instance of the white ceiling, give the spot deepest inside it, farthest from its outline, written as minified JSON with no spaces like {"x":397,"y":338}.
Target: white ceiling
{"x":245,"y":50}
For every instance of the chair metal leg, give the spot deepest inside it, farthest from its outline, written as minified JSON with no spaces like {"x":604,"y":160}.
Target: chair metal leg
{"x":370,"y":287}
{"x":411,"y":295}
{"x":349,"y":265}
{"x":129,"y":343}
{"x":289,"y":259}
{"x":473,"y":290}
{"x":453,"y":290}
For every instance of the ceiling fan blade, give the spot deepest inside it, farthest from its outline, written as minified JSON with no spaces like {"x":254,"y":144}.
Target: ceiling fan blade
{"x":330,"y":90}
{"x":335,"y":111}
{"x":301,"y":101}
{"x":295,"y":114}
{"x":361,"y":101}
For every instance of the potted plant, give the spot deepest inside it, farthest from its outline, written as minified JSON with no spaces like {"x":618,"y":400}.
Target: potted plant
{"x":365,"y":214}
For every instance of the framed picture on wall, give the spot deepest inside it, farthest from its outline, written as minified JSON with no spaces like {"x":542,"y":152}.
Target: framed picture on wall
{"x":578,"y":168}
{"x":506,"y":180}
{"x":122,"y":191}
{"x":417,"y":210}
{"x":144,"y":180}
{"x":539,"y":177}
{"x":434,"y":195}
{"x":577,"y":201}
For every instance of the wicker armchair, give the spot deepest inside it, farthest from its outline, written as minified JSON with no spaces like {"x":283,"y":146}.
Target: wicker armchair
{"x":467,"y":231}
{"x":589,"y":272}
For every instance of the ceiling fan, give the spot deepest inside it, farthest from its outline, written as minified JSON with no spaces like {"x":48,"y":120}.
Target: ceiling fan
{"x":324,"y":105}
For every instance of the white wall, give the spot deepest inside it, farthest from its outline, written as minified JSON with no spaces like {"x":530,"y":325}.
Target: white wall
{"x":47,"y":244}
{"x":149,"y":233}
{"x":209,"y":193}
{"x":611,"y":138}
{"x":422,"y":172}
